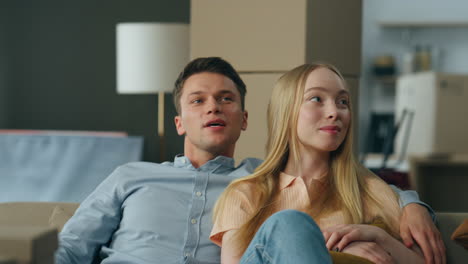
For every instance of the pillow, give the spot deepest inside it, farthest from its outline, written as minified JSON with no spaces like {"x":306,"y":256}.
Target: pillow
{"x":345,"y":258}
{"x":460,"y":235}
{"x":58,"y":218}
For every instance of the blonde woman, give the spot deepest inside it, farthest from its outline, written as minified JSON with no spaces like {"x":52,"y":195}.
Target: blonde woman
{"x":310,"y":169}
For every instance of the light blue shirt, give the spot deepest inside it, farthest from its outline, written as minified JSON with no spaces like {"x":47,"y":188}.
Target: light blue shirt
{"x":152,"y":213}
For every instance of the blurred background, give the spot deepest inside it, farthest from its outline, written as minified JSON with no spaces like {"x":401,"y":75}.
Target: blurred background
{"x":58,"y":64}
{"x":58,"y":68}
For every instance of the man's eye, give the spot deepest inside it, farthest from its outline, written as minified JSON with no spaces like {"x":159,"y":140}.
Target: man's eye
{"x":196,"y":101}
{"x":229,"y":99}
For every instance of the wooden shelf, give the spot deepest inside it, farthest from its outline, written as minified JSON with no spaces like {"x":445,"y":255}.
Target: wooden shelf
{"x":422,"y":24}
{"x":386,"y":80}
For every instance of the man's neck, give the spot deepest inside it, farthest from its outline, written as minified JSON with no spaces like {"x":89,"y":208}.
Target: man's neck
{"x":199,"y":160}
{"x":198,"y":157}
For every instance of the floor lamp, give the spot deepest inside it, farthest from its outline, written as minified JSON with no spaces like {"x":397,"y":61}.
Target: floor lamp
{"x":149,"y":58}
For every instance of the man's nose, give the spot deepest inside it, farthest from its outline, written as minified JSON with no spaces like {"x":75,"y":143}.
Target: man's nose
{"x":213,"y":106}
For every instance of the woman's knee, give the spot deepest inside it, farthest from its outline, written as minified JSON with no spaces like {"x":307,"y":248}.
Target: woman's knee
{"x":292,"y":231}
{"x":291,"y":219}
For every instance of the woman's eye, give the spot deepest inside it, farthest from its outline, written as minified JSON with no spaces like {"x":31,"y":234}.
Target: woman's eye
{"x":343,"y":101}
{"x":196,"y":101}
{"x":315,"y":99}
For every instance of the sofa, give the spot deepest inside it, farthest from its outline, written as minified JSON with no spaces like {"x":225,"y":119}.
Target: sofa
{"x":40,"y":167}
{"x":52,"y":216}
{"x":65,"y":166}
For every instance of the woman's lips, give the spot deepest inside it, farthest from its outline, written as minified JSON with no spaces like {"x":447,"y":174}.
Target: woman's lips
{"x":330,"y":129}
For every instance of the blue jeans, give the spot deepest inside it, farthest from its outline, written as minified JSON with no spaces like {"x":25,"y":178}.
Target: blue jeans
{"x":287,"y":236}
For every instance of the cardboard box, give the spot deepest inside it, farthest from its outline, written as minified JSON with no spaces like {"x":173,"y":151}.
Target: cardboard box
{"x":28,"y":244}
{"x":252,"y":141}
{"x":277,"y":35}
{"x":437,"y":120}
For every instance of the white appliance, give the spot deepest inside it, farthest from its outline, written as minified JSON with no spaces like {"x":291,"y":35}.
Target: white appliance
{"x":436,"y":120}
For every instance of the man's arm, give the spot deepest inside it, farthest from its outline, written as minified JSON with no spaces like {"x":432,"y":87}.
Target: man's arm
{"x":409,"y":196}
{"x":417,"y":224}
{"x":92,"y":225}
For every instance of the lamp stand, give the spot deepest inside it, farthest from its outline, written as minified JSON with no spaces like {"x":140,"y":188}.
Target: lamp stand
{"x":162,"y":142}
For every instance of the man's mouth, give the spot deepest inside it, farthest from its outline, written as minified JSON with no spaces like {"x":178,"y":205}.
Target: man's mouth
{"x":216,"y":123}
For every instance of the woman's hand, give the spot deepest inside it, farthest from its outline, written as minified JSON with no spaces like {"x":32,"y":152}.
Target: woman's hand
{"x":369,"y":250}
{"x":339,"y":236}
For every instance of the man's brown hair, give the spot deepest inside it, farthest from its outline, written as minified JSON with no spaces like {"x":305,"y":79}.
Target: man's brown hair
{"x":208,"y":64}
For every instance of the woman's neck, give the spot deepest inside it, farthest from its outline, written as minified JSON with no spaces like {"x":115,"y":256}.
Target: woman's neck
{"x":313,"y":165}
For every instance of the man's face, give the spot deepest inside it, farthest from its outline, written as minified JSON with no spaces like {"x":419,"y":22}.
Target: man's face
{"x":211,"y":115}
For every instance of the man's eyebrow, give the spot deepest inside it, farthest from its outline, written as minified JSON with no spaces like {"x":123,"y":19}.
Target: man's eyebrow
{"x":220,"y":92}
{"x":195,"y":93}
{"x":226,"y":92}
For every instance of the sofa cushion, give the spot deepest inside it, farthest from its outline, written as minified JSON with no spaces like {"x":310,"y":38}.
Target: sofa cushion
{"x":447,"y":222}
{"x":28,"y":244}
{"x":59,"y":217}
{"x":33,"y":213}
{"x":460,"y":235}
{"x":345,"y":258}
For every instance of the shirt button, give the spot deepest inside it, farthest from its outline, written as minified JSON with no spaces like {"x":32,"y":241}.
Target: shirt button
{"x":193,"y":221}
{"x":187,"y":254}
{"x":198,"y":194}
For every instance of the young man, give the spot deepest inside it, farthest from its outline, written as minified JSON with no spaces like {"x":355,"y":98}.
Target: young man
{"x":161,"y":213}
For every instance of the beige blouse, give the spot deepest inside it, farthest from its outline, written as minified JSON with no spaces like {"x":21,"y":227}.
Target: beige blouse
{"x":294,"y":195}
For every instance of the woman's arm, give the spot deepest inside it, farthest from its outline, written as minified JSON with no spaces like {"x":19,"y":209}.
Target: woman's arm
{"x":370,"y":251}
{"x":228,"y":250}
{"x":339,"y":236}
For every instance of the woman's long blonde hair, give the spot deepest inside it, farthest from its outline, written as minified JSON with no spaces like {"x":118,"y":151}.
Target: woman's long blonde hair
{"x":347,"y":177}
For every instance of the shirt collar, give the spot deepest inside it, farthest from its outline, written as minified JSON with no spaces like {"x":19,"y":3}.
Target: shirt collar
{"x":286,"y":180}
{"x":181,"y":161}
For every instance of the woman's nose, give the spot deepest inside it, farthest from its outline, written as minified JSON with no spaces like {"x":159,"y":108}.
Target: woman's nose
{"x":332,"y":112}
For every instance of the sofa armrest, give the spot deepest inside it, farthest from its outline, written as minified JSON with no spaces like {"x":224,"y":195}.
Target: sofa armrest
{"x":36,"y":213}
{"x":447,"y":223}
{"x":28,"y":244}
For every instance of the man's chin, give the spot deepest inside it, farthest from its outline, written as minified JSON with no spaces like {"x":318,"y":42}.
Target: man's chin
{"x":219,"y":147}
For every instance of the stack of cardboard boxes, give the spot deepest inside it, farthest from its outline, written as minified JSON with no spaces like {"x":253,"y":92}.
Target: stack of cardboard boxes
{"x":265,"y":38}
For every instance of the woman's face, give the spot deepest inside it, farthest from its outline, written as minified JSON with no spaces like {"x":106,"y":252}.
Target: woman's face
{"x":324,"y":116}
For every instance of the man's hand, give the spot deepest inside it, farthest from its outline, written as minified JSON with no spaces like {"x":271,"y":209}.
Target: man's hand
{"x":416,"y":224}
{"x":370,"y":251}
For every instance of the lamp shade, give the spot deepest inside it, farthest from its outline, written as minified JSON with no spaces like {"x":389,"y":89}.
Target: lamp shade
{"x":150,"y":56}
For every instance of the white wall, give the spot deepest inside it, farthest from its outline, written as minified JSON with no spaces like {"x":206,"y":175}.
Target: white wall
{"x":451,"y":42}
